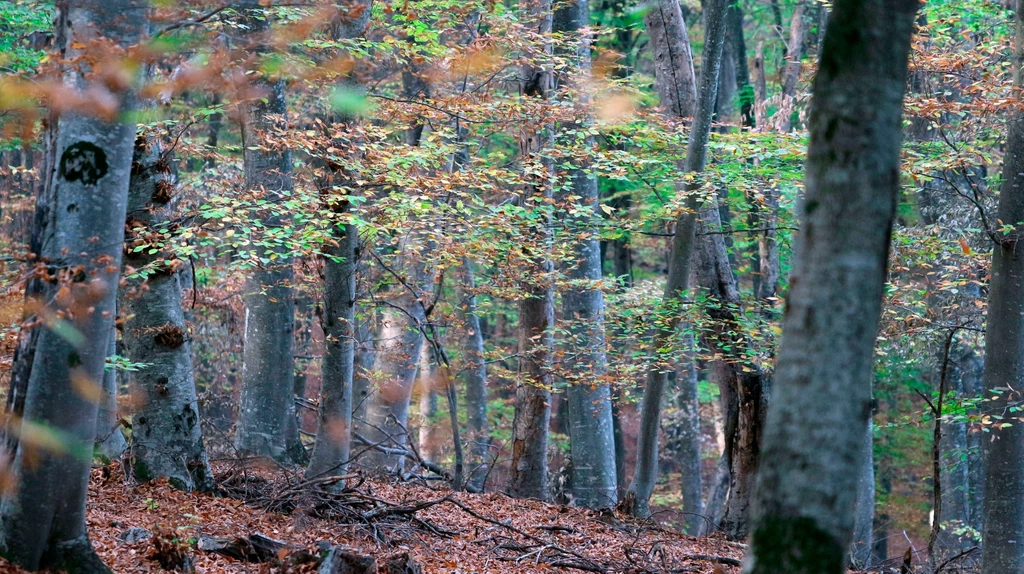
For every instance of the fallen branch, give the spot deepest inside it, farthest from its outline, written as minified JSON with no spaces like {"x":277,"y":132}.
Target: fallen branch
{"x":713,"y":558}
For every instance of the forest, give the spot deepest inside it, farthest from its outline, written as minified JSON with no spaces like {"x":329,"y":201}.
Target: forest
{"x":490,"y":286}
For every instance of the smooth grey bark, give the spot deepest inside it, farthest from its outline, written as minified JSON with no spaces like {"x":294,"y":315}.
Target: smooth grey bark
{"x":24,"y":352}
{"x":734,"y":372}
{"x":44,"y":518}
{"x":712,"y":272}
{"x":588,"y":397}
{"x":864,"y":508}
{"x":644,"y":476}
{"x":166,"y":437}
{"x":397,"y":360}
{"x":367,"y":334}
{"x":689,"y":437}
{"x":738,"y":42}
{"x":1003,"y":535}
{"x":475,"y":375}
{"x":528,"y":475}
{"x":791,"y":72}
{"x":725,"y":103}
{"x":972,"y":368}
{"x":760,"y":90}
{"x":402,"y":339}
{"x":675,"y":79}
{"x":266,"y":401}
{"x":109,"y":444}
{"x":804,"y":506}
{"x":333,"y":446}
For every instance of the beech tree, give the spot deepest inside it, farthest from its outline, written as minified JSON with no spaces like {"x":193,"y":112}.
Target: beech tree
{"x":1004,"y":337}
{"x":268,"y":376}
{"x":332,"y":449}
{"x":807,"y":481}
{"x":167,"y":440}
{"x":644,"y":477}
{"x":88,"y":169}
{"x":528,"y":477}
{"x":591,"y":443}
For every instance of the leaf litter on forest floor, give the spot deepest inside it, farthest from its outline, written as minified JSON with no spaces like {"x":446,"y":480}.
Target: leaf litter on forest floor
{"x":479,"y":533}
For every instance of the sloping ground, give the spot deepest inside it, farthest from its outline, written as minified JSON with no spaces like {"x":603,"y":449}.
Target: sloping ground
{"x":440,"y":530}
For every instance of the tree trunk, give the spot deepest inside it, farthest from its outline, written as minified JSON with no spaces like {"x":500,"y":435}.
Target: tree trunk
{"x":639,"y":494}
{"x":166,"y":437}
{"x":476,"y":384}
{"x":713,"y":273}
{"x":397,"y":361}
{"x":24,"y":353}
{"x":791,"y":73}
{"x":955,"y":461}
{"x":675,"y":79}
{"x":591,"y":436}
{"x":734,"y":22}
{"x":267,"y":400}
{"x":689,"y":437}
{"x":811,"y":464}
{"x":760,"y":91}
{"x":367,"y":333}
{"x":528,"y":476}
{"x":109,"y":444}
{"x":971,"y":369}
{"x":864,"y":508}
{"x":728,"y":90}
{"x":44,"y":518}
{"x":333,"y":446}
{"x":429,"y":443}
{"x":1003,"y":550}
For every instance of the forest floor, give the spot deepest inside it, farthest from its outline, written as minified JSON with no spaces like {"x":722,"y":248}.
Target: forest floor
{"x":134,"y":526}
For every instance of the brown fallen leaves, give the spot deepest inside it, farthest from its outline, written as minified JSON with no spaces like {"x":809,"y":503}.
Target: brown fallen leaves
{"x":491,"y":545}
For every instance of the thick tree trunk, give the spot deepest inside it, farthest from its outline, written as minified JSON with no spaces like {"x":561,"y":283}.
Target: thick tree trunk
{"x":167,"y":441}
{"x":529,"y":473}
{"x":110,"y":443}
{"x":44,"y":518}
{"x":1003,"y":549}
{"x":267,"y":400}
{"x":397,"y":361}
{"x":642,"y":485}
{"x":675,"y":79}
{"x":528,"y":476}
{"x":591,"y":436}
{"x":810,"y":464}
{"x":24,"y":353}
